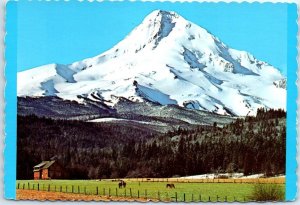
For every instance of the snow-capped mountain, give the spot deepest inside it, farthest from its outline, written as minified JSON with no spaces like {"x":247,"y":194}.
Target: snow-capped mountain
{"x":169,"y":60}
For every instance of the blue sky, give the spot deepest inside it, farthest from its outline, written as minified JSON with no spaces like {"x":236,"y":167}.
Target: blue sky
{"x":64,"y":32}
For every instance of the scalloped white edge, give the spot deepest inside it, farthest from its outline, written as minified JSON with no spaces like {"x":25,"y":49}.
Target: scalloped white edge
{"x":3,"y":82}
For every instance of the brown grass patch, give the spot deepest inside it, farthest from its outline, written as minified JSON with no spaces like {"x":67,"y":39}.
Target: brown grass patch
{"x":55,"y":196}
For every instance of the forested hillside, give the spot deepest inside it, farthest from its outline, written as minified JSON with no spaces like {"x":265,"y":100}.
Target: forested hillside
{"x":103,"y":150}
{"x":251,"y":145}
{"x":79,"y":146}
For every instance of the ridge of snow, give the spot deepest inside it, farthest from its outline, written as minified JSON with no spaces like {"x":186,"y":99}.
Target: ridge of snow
{"x":169,"y":60}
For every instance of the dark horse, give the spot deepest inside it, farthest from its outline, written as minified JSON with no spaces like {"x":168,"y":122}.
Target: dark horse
{"x":122,"y":184}
{"x":171,"y":186}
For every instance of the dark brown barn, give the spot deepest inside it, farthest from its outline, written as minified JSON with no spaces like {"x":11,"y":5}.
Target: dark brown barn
{"x":47,"y":170}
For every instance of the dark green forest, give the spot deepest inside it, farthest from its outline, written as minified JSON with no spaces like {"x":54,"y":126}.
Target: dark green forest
{"x":105,"y":150}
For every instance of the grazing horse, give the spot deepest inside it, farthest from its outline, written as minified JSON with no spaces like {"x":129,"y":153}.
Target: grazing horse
{"x":171,"y":186}
{"x":122,"y":184}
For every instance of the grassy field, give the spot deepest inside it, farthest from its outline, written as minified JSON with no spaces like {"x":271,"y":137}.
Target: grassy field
{"x":188,"y":192}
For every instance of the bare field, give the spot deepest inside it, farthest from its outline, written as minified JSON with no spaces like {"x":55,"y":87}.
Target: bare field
{"x":54,"y":196}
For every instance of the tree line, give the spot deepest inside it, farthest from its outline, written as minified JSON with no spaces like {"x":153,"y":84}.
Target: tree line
{"x":105,"y":150}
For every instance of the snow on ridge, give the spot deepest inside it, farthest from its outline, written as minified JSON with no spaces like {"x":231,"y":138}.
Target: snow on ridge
{"x":229,"y":175}
{"x":98,"y":120}
{"x":173,"y":61}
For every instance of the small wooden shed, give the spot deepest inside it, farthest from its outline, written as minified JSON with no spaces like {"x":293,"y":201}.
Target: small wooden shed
{"x":47,"y":170}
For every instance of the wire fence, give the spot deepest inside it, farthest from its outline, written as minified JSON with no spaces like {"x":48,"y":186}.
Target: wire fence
{"x":139,"y":188}
{"x":130,"y":193}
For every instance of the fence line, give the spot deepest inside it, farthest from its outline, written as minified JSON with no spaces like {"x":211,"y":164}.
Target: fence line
{"x":133,"y":193}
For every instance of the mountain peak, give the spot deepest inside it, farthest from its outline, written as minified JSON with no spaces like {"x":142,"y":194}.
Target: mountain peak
{"x":174,"y":61}
{"x":163,"y":18}
{"x":163,"y":13}
{"x":158,"y":25}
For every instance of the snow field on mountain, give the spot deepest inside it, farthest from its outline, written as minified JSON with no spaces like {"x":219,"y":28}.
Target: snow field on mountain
{"x":169,"y":60}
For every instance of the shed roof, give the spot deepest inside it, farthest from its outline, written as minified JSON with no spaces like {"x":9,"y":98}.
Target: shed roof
{"x":44,"y":164}
{"x":40,"y":164}
{"x":48,"y":164}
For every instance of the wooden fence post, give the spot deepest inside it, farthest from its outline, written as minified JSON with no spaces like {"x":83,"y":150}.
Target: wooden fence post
{"x":192,"y":197}
{"x":225,"y":198}
{"x":125,"y":192}
{"x":117,"y":192}
{"x":28,"y":186}
{"x":38,"y":187}
{"x":145,"y":193}
{"x":130,"y":193}
{"x":208,"y":198}
{"x":96,"y":190}
{"x":23,"y":186}
{"x":109,"y":192}
{"x":184,"y":197}
{"x":158,"y":195}
{"x":176,"y":196}
{"x":78,"y":189}
{"x":72,"y":188}
{"x":48,"y":187}
{"x":138,"y":193}
{"x":18,"y":185}
{"x":84,"y":189}
{"x":103,"y":191}
{"x":60,"y":188}
{"x":200,"y":197}
{"x":217,"y":198}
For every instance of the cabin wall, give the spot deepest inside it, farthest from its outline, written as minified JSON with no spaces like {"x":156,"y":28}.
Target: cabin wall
{"x":54,"y":171}
{"x":45,"y":174}
{"x":36,"y":175}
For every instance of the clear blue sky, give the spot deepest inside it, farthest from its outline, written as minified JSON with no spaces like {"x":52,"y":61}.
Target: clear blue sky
{"x":60,"y":32}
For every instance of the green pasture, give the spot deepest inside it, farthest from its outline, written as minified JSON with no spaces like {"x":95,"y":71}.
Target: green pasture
{"x":150,"y":190}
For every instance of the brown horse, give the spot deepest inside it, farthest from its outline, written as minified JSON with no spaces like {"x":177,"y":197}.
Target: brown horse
{"x":171,"y":186}
{"x":122,"y":184}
